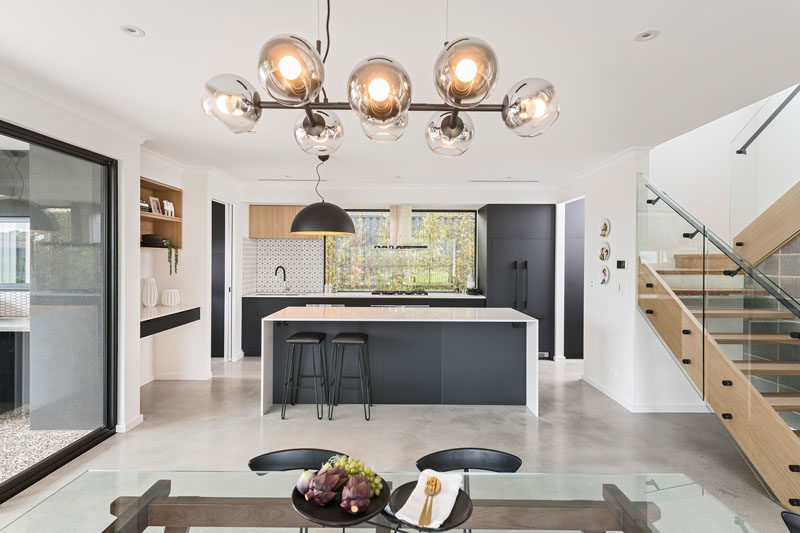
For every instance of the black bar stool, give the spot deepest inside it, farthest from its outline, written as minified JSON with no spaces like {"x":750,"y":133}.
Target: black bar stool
{"x":292,"y":372}
{"x":340,"y":342}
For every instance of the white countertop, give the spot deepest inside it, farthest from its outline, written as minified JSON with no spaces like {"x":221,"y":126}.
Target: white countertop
{"x":429,"y":296}
{"x":399,"y":314}
{"x":15,"y":323}
{"x":149,"y":313}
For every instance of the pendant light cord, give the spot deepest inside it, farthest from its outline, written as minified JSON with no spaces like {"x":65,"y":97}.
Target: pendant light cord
{"x":327,"y":33}
{"x":446,"y":21}
{"x":316,"y":187}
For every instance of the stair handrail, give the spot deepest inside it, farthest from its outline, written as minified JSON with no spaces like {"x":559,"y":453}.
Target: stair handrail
{"x":759,"y":277}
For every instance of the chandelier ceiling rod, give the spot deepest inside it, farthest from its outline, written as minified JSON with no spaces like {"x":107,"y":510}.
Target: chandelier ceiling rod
{"x":492,"y":108}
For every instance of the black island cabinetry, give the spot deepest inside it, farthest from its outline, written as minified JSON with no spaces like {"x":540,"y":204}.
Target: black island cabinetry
{"x":516,"y":262}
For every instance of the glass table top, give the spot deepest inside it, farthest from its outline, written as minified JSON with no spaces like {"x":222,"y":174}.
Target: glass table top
{"x":105,"y":501}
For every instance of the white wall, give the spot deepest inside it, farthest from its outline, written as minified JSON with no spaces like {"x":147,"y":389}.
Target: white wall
{"x":29,"y":107}
{"x":620,"y":356}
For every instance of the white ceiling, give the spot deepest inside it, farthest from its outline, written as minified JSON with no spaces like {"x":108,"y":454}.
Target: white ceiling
{"x":713,"y":56}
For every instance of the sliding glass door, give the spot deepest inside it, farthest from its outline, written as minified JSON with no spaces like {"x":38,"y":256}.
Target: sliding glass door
{"x":57,"y":301}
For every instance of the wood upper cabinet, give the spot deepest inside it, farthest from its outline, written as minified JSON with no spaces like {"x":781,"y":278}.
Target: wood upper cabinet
{"x":274,"y":222}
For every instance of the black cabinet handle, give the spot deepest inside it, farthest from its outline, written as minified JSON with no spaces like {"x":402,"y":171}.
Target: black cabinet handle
{"x":525,"y":293}
{"x":516,"y":283}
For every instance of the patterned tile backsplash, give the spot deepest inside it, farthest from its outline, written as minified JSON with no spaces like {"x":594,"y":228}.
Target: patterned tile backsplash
{"x":14,"y":303}
{"x":302,"y":259}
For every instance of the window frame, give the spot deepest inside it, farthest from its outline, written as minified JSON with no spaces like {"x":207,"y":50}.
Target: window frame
{"x":376,"y":210}
{"x":10,"y":287}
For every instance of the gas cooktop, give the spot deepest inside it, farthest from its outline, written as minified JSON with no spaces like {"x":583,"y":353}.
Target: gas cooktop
{"x":401,"y":293}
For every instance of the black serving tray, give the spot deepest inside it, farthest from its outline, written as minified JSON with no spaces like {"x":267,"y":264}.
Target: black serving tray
{"x":461,"y":512}
{"x":332,"y":515}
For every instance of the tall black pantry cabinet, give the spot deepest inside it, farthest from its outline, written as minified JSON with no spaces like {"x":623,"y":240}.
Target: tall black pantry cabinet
{"x":516,"y":261}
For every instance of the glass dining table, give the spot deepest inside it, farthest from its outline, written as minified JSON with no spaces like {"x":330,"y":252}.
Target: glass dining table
{"x":180,"y":502}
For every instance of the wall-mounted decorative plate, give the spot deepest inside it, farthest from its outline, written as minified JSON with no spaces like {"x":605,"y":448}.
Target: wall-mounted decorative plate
{"x":604,"y":275}
{"x":605,"y":251}
{"x":605,"y":227}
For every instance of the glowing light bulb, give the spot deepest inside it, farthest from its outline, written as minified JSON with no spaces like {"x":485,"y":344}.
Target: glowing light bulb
{"x":534,"y":107}
{"x":379,"y":89}
{"x":466,"y":70}
{"x":228,"y":104}
{"x":290,"y":67}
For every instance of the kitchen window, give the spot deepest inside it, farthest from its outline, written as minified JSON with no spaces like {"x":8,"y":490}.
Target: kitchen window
{"x":359,"y":263}
{"x":15,"y":251}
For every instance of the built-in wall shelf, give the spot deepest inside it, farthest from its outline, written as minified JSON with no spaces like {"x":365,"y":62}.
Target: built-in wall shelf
{"x":169,"y":227}
{"x":161,"y":318}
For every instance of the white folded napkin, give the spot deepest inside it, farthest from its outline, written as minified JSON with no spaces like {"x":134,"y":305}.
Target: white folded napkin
{"x":442,"y":503}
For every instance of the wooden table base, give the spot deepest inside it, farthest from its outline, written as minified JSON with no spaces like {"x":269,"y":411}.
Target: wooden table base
{"x":179,"y":513}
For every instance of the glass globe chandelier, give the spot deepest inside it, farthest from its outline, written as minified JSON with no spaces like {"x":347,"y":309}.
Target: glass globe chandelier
{"x":465,"y":72}
{"x":319,"y":132}
{"x":379,"y":91}
{"x":232,"y":101}
{"x":531,"y":107}
{"x":449,"y":134}
{"x":290,"y":70}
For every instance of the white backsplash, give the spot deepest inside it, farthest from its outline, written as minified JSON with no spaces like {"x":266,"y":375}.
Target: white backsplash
{"x":302,"y":258}
{"x":15,"y":303}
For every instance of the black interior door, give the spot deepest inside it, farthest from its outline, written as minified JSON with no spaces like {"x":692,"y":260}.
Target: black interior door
{"x":573,"y":278}
{"x":538,"y":287}
{"x":504,"y":273}
{"x":217,"y":279}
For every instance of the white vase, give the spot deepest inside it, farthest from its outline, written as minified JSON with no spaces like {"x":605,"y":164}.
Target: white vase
{"x":170,"y":297}
{"x":150,"y":293}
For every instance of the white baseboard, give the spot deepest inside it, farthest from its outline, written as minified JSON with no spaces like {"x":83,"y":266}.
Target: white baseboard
{"x":130,"y":424}
{"x":146,"y":380}
{"x":237,"y":355}
{"x":182,"y":377}
{"x":696,"y":407}
{"x":560,"y":359}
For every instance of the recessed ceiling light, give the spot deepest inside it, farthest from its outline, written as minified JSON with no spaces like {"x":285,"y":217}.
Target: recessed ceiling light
{"x":646,"y":35}
{"x":133,"y":31}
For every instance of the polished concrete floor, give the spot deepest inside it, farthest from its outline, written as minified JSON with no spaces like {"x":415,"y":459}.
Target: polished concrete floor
{"x":215,"y":425}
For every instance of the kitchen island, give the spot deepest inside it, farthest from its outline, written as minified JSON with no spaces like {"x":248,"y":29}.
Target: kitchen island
{"x":419,"y":355}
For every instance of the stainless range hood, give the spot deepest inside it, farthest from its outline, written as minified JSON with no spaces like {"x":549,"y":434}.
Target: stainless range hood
{"x":400,"y":229}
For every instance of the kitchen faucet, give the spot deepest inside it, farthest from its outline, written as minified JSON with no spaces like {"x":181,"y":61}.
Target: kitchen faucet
{"x":285,"y":284}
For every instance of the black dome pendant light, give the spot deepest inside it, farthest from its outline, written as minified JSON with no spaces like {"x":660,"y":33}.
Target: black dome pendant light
{"x":322,"y":218}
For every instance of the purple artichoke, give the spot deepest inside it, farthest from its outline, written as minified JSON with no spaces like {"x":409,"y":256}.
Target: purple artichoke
{"x":304,"y":481}
{"x":355,"y":495}
{"x":326,"y":485}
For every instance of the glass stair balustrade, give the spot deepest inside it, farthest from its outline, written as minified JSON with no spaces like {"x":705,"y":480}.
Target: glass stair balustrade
{"x":732,"y":330}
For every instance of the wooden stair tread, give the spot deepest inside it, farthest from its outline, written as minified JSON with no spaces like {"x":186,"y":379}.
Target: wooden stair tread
{"x":768,"y":368}
{"x":720,"y":292}
{"x":689,"y":271}
{"x":783,"y":401}
{"x":742,"y":313}
{"x":754,"y":338}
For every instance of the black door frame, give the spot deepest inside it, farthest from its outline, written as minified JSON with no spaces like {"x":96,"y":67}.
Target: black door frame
{"x":31,"y":475}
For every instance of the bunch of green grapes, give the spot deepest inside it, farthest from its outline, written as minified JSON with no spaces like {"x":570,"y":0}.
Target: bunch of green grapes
{"x":354,"y":467}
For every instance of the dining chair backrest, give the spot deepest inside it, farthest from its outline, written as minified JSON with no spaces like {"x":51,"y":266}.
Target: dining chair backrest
{"x":792,"y":521}
{"x":293,"y":459}
{"x":470,"y":459}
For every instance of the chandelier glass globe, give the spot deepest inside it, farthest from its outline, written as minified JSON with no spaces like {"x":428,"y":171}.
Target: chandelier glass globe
{"x":379,"y":91}
{"x":384,"y":133}
{"x":291,"y":70}
{"x":322,"y":137}
{"x":231,"y":100}
{"x":465,"y":72}
{"x":531,"y":107}
{"x":447,"y":135}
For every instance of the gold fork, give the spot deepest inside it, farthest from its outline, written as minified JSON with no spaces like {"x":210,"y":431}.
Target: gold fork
{"x":430,"y":485}
{"x":433,"y":491}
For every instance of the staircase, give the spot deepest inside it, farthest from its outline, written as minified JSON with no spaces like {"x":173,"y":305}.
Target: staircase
{"x":735,"y":334}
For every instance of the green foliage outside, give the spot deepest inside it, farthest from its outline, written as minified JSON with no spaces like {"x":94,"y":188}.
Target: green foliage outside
{"x":354,"y":264}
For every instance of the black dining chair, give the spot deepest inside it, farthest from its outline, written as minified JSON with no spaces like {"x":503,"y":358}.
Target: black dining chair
{"x":293,"y":459}
{"x":467,"y":459}
{"x":792,"y":521}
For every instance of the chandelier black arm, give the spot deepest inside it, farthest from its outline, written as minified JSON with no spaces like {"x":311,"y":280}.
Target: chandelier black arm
{"x":492,"y":108}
